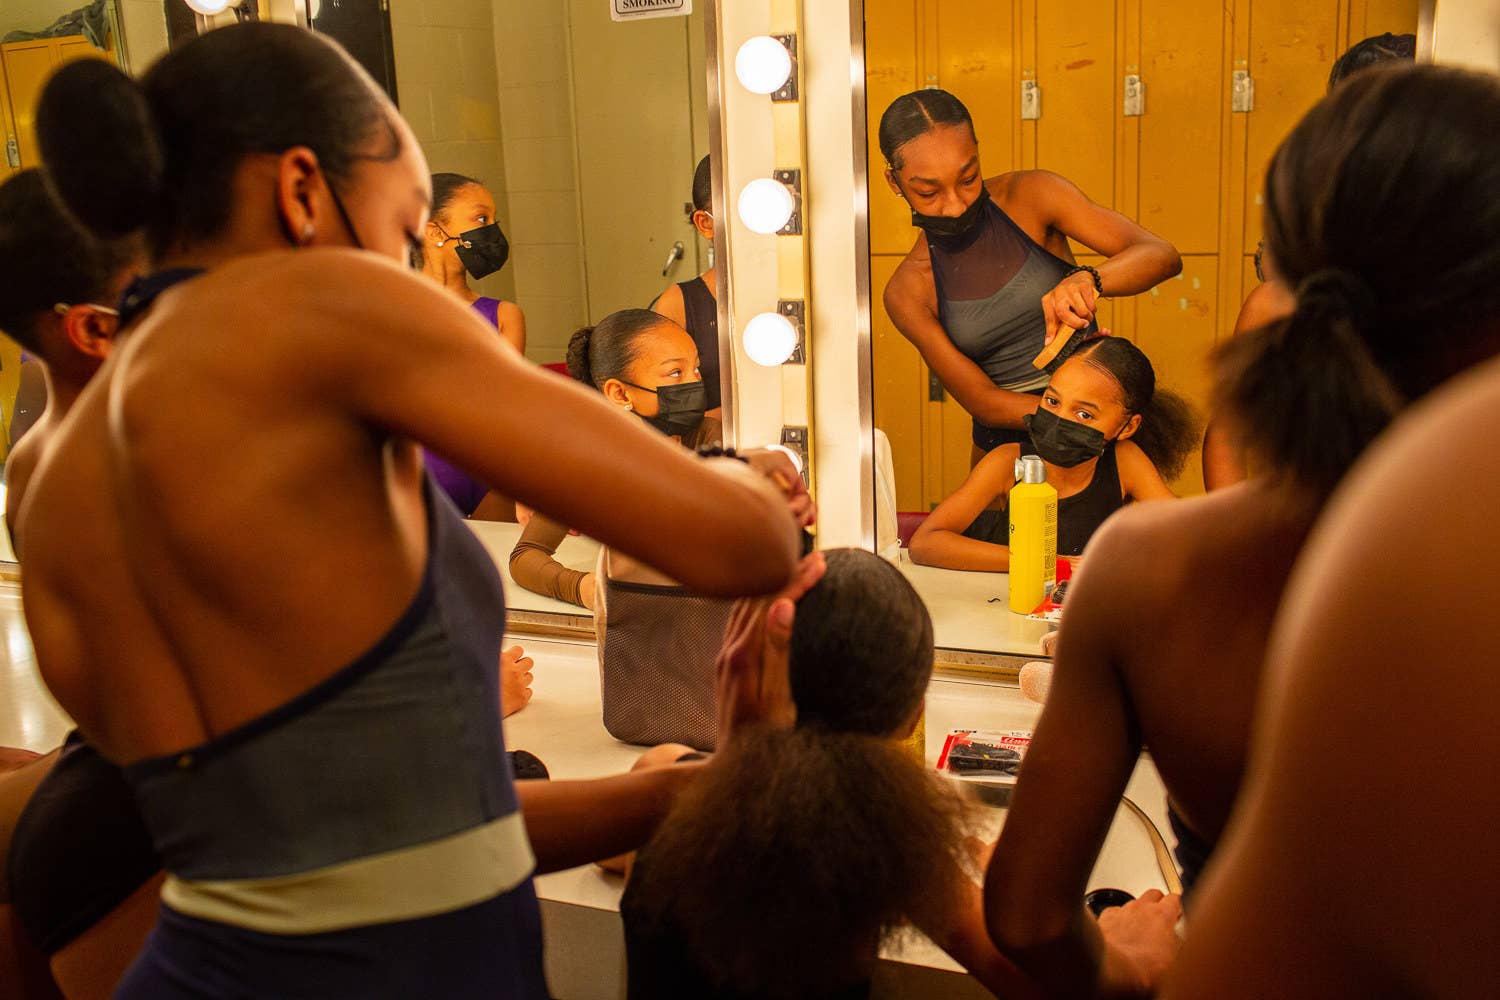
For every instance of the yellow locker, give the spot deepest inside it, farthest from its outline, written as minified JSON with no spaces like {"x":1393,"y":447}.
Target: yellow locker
{"x":900,"y":390}
{"x":27,"y":66}
{"x":1076,"y":70}
{"x":1178,"y":327}
{"x":1182,"y":68}
{"x":976,"y":61}
{"x":950,"y":447}
{"x":1293,"y":44}
{"x":890,"y":71}
{"x":1375,"y":17}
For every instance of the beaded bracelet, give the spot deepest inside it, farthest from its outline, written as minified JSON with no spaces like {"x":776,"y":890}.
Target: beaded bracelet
{"x":1082,"y":268}
{"x":719,"y":451}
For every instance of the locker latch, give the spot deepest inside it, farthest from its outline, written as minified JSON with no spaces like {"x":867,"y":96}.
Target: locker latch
{"x":935,"y":393}
{"x":1031,"y":100}
{"x":12,"y":151}
{"x":1243,"y":98}
{"x":1135,"y":96}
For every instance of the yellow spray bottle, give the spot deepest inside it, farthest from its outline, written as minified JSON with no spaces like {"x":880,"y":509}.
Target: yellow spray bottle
{"x":1033,"y":535}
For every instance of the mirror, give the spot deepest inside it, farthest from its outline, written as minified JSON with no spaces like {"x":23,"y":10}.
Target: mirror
{"x":37,"y":36}
{"x":585,"y":133}
{"x":1163,"y":112}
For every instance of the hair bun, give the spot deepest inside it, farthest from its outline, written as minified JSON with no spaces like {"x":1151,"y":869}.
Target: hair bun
{"x":101,"y":146}
{"x":1339,"y":291}
{"x":578,"y":355}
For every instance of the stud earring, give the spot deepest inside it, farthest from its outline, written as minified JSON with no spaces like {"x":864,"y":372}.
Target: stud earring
{"x":307,"y":232}
{"x":629,"y":406}
{"x":442,"y":242}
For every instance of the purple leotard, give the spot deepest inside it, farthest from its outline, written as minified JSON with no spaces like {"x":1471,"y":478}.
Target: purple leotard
{"x":463,"y":489}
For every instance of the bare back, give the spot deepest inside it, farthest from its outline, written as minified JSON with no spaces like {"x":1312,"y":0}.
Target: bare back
{"x":1162,"y":646}
{"x":228,"y":507}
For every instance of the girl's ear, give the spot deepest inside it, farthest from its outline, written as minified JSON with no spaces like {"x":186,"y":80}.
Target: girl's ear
{"x":890,"y":178}
{"x":1131,"y":426}
{"x":614,"y":390}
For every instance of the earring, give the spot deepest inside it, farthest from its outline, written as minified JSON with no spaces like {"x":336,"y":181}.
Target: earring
{"x":442,"y":242}
{"x":307,"y":233}
{"x":629,"y":406}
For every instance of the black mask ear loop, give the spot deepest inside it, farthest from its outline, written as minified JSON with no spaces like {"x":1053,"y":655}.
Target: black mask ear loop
{"x":338,"y":203}
{"x":451,"y":239}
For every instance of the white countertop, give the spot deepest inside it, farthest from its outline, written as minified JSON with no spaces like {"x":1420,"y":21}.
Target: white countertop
{"x":563,"y":727}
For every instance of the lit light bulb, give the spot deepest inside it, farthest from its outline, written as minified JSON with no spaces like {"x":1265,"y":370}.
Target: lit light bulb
{"x":208,"y":8}
{"x":770,"y":339}
{"x":763,"y":65}
{"x":766,"y":205}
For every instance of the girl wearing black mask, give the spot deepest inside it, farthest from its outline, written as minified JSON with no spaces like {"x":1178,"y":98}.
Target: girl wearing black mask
{"x":462,"y":240}
{"x":990,"y":293}
{"x":647,"y":365}
{"x":1106,"y":434}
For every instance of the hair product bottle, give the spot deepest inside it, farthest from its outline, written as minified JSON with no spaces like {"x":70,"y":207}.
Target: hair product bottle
{"x":1033,"y":535}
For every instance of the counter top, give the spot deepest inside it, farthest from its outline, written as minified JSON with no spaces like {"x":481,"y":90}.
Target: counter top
{"x":968,"y":609}
{"x":586,"y":957}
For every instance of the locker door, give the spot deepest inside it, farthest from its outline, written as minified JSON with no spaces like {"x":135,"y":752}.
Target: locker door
{"x":1374,"y":17}
{"x":1182,"y":67}
{"x":1077,"y":71}
{"x":27,"y":67}
{"x":890,"y":71}
{"x":900,"y":390}
{"x":8,"y":135}
{"x":1293,"y":44}
{"x":1178,"y":327}
{"x":976,"y":61}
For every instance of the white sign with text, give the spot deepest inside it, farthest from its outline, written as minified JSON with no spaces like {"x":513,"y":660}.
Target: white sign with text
{"x":637,"y":10}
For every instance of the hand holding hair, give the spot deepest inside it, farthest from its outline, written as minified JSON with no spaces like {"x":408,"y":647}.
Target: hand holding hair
{"x":754,"y":680}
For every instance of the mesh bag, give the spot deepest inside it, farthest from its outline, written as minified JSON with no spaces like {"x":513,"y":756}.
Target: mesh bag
{"x":657,"y":647}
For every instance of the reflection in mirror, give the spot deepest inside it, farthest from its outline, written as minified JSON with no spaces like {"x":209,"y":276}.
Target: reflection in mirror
{"x":1025,"y":194}
{"x":37,"y":36}
{"x":561,"y":197}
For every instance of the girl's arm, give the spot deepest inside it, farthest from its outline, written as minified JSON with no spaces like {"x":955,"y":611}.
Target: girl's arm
{"x":1138,"y":476}
{"x":533,"y":562}
{"x":1085,"y":747}
{"x":1137,"y":259}
{"x":513,"y":325}
{"x":940,"y":541}
{"x":416,"y":363}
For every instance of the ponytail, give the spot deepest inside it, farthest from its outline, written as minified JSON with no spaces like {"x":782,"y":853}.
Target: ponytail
{"x":1308,"y":385}
{"x":578,"y":355}
{"x":804,"y":850}
{"x":1168,"y":433}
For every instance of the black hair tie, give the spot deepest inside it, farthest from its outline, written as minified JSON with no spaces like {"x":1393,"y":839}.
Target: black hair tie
{"x":1340,"y":291}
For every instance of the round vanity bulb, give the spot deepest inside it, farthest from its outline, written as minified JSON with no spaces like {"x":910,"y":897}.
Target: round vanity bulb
{"x":770,"y":338}
{"x":208,"y":8}
{"x":766,"y":205}
{"x":763,"y":65}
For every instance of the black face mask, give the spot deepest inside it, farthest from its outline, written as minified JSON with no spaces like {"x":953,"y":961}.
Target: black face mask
{"x":482,"y":251}
{"x":948,"y":227}
{"x":1065,"y":443}
{"x":680,"y":407}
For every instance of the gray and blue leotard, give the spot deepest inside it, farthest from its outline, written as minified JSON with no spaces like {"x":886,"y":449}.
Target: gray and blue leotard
{"x":363,"y":839}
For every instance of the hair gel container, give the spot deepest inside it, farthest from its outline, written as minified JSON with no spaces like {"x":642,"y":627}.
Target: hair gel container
{"x":1033,"y":535}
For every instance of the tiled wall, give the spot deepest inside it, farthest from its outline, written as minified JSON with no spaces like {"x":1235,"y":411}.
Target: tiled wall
{"x":449,"y":89}
{"x":536,"y":105}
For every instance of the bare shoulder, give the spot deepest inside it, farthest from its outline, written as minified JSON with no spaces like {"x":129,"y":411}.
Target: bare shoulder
{"x":910,"y":285}
{"x":1029,"y":185}
{"x":670,"y":304}
{"x":998,"y":465}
